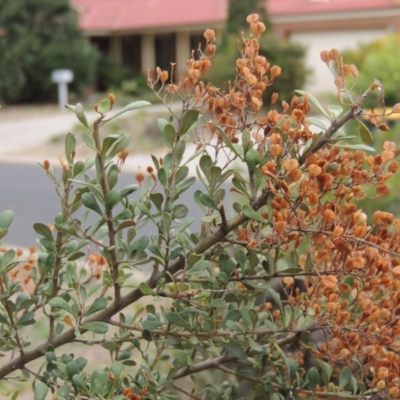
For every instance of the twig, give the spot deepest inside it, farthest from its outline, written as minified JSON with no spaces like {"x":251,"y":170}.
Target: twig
{"x":191,"y":395}
{"x":322,"y":140}
{"x":111,"y":228}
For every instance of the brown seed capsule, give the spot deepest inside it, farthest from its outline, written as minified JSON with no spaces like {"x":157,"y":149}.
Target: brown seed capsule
{"x":139,"y":176}
{"x":46,"y":165}
{"x":209,"y":34}
{"x":111,"y":97}
{"x":164,"y":76}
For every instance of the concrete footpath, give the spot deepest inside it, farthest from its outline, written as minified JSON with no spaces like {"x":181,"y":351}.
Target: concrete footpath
{"x":20,"y":133}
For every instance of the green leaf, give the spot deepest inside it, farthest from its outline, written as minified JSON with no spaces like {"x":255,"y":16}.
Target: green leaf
{"x":205,"y":165}
{"x":276,"y":298}
{"x":4,"y":320}
{"x":147,"y":335}
{"x":58,"y":302}
{"x":131,"y":106}
{"x":189,"y":118}
{"x":139,"y":246}
{"x":40,"y":391}
{"x":214,"y":178}
{"x":145,"y":289}
{"x":104,"y":106}
{"x":112,"y":176}
{"x":6,"y":258}
{"x":6,"y":218}
{"x":43,"y":230}
{"x":179,"y":211}
{"x":313,"y":101}
{"x":161,"y":122}
{"x":365,"y":134}
{"x":117,"y":369}
{"x":27,"y":318}
{"x":327,"y":369}
{"x":162,"y":176}
{"x":112,"y":198}
{"x":208,"y":201}
{"x":78,"y":381}
{"x":218,"y":303}
{"x":353,"y":146}
{"x":228,"y":143}
{"x":180,"y":150}
{"x":90,"y":202}
{"x":250,"y":213}
{"x":120,"y":144}
{"x":157,"y":199}
{"x":246,"y":141}
{"x":70,"y":144}
{"x":78,"y":168}
{"x":335,"y":110}
{"x":253,"y":158}
{"x":72,"y":369}
{"x":181,"y":174}
{"x":89,"y":141}
{"x":80,"y":113}
{"x":108,"y":142}
{"x":81,"y":362}
{"x":317,"y":122}
{"x":96,"y":327}
{"x":233,"y":315}
{"x":344,"y":377}
{"x":169,"y":135}
{"x":99,"y":304}
{"x":313,"y":377}
{"x":175,"y":319}
{"x":233,"y":349}
{"x":127,"y":190}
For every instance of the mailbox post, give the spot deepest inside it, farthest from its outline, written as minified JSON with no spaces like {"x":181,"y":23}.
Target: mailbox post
{"x":62,"y":77}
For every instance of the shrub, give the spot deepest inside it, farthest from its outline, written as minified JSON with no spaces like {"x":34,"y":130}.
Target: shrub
{"x":37,"y":37}
{"x":292,"y":288}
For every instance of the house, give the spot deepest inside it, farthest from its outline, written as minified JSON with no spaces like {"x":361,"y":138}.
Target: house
{"x":325,"y":24}
{"x":144,"y":34}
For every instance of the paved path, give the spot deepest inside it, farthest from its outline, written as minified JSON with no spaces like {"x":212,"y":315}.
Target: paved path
{"x":19,"y":134}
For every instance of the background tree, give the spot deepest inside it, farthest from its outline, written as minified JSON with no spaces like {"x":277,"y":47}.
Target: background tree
{"x":379,"y":59}
{"x":186,"y":312}
{"x":39,"y":36}
{"x":237,"y":9}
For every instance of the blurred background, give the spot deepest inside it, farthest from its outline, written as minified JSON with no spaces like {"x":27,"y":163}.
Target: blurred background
{"x":110,"y":45}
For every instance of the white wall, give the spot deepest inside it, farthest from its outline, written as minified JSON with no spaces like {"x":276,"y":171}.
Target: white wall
{"x":321,"y":79}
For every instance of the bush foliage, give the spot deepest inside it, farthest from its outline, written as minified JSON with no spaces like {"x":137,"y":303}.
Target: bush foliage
{"x":291,"y":289}
{"x":37,"y":37}
{"x":379,"y":59}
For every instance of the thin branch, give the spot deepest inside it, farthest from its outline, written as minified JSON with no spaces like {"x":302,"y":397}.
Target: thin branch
{"x":321,"y":140}
{"x":109,"y":214}
{"x":216,"y":362}
{"x":191,"y":395}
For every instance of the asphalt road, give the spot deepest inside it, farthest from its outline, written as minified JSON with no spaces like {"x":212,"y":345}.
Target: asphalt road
{"x":28,"y":192}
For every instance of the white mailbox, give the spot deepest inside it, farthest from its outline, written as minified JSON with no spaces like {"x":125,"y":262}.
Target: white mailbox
{"x":62,"y":77}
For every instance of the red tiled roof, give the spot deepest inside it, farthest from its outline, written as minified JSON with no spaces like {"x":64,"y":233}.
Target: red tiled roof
{"x":117,"y":15}
{"x":286,"y":7}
